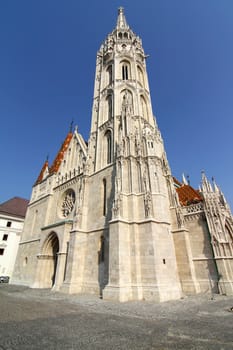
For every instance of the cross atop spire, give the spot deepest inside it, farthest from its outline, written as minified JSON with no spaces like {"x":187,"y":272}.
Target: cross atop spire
{"x":121,"y":21}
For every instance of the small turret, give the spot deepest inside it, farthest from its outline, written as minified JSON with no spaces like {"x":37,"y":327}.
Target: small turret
{"x":216,"y":188}
{"x":205,"y":184}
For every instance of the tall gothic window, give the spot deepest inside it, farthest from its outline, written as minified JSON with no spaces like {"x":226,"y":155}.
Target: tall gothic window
{"x":108,"y":136}
{"x":104,"y":197}
{"x":109,"y":72}
{"x":109,"y":99}
{"x":125,"y":68}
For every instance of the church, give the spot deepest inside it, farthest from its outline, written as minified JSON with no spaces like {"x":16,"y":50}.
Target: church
{"x":107,"y":217}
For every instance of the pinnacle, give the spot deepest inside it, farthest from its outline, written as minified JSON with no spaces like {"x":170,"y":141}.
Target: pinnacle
{"x":121,"y":20}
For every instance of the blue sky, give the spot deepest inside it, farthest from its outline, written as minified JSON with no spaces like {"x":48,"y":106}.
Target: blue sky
{"x":47,"y":66}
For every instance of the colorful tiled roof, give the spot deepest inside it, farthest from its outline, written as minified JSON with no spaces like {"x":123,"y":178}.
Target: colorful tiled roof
{"x":15,"y":206}
{"x":41,"y":175}
{"x":57,"y":161}
{"x":176,"y":182}
{"x":188,"y":195}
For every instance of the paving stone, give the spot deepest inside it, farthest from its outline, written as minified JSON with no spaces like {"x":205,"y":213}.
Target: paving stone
{"x":41,"y":319}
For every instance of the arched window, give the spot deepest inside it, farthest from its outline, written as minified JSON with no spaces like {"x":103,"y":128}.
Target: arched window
{"x":109,"y":72}
{"x":125,"y":126}
{"x":108,"y":136}
{"x":104,"y":197}
{"x":125,"y":69}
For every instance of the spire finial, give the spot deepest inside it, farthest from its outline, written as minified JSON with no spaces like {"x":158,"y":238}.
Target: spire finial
{"x":216,"y":188}
{"x":121,"y":21}
{"x":184,"y":180}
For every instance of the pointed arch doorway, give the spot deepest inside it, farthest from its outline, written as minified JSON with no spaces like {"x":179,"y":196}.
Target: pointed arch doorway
{"x":49,"y":256}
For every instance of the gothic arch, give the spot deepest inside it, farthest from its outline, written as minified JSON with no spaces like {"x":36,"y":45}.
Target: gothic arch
{"x":109,"y":101}
{"x":109,"y":77}
{"x":104,"y":197}
{"x":125,"y":70}
{"x":127,"y":101}
{"x":49,"y":251}
{"x":108,"y":146}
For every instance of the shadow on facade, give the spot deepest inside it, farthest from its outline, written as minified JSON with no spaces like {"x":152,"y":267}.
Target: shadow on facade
{"x":103,"y":253}
{"x":213,"y":275}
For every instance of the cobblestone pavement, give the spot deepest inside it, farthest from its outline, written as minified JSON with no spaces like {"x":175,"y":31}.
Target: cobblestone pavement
{"x":41,"y":319}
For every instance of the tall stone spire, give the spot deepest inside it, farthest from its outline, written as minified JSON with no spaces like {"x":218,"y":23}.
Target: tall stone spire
{"x":121,"y":20}
{"x":127,"y":157}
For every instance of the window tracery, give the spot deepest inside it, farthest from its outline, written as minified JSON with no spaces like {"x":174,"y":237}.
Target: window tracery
{"x":68,"y":202}
{"x":125,"y":69}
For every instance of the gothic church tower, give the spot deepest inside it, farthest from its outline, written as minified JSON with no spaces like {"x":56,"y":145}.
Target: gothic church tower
{"x":127,"y":183}
{"x":107,"y":217}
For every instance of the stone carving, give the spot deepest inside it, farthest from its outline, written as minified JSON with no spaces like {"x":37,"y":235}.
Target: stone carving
{"x":180,"y":217}
{"x":147,"y":203}
{"x":116,"y":206}
{"x":127,"y":103}
{"x":68,"y":202}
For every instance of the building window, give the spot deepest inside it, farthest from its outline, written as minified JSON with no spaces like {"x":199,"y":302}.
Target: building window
{"x":1,"y":251}
{"x":8,"y":224}
{"x":5,"y":237}
{"x":109,"y":71}
{"x":108,"y":136}
{"x":125,"y":72}
{"x":109,"y":98}
{"x":104,"y":196}
{"x":125,"y":68}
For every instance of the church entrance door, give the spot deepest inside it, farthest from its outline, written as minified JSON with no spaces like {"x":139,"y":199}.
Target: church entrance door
{"x":49,"y":256}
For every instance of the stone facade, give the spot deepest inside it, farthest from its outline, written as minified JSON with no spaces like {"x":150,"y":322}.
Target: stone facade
{"x":108,"y":217}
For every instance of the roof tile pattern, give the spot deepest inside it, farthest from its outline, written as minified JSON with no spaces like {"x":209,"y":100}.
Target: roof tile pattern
{"x":59,"y":158}
{"x":188,"y":195}
{"x":57,"y":161}
{"x":15,"y":206}
{"x":41,"y":175}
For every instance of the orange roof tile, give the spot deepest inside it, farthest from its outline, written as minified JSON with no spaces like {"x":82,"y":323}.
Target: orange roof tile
{"x":40,"y":177}
{"x":57,"y":161}
{"x":188,"y":195}
{"x":176,"y":182}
